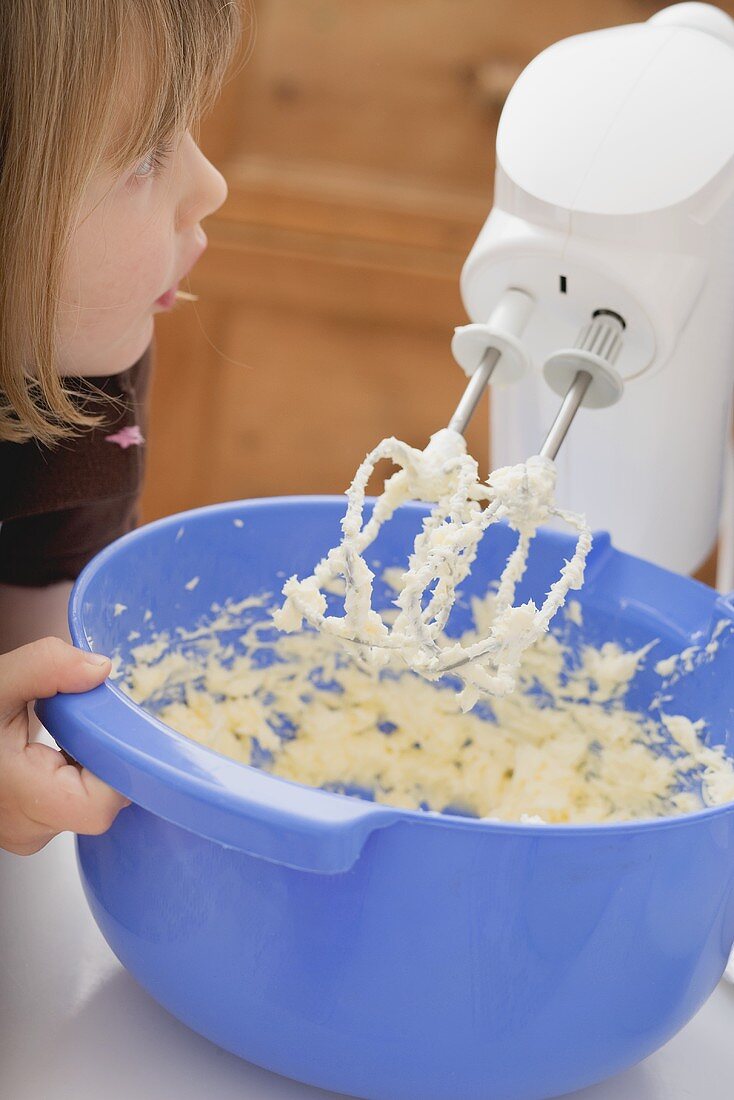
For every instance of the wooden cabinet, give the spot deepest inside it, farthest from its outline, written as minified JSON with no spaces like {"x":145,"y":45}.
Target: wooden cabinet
{"x":358,"y":145}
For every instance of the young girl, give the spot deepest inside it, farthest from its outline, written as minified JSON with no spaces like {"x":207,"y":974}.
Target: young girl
{"x":102,"y":193}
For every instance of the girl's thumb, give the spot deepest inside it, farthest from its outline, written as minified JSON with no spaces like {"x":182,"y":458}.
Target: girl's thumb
{"x":43,"y":668}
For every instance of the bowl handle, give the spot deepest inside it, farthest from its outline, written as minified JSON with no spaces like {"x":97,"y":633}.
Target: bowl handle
{"x":192,"y":786}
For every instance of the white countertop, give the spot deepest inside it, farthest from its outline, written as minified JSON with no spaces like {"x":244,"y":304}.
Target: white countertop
{"x":75,"y":1026}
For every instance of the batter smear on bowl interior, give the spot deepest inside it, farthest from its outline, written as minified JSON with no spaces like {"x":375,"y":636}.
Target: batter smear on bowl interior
{"x":561,"y":749}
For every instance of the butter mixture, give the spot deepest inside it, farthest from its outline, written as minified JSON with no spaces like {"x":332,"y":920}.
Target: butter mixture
{"x":445,"y":476}
{"x":561,"y":749}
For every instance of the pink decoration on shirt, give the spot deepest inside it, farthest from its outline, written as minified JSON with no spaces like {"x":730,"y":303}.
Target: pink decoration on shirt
{"x":126,"y":437}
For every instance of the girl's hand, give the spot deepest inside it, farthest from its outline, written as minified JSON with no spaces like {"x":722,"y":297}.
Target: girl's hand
{"x":40,"y":793}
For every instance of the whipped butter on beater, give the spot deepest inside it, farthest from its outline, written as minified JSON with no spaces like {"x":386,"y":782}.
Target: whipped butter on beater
{"x":464,"y":508}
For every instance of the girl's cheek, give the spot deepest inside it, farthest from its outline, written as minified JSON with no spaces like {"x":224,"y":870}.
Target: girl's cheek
{"x":133,"y":276}
{"x":148,"y":262}
{"x":122,"y":259}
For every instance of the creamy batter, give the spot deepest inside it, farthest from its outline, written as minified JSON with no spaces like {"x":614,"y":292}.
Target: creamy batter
{"x":561,"y":749}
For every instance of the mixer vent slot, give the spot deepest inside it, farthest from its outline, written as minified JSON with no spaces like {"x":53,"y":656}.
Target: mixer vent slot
{"x":563,"y":284}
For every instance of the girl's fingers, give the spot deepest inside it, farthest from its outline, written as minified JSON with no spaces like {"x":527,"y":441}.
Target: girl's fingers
{"x":42,"y":669}
{"x":42,"y":794}
{"x":27,"y":844}
{"x":57,"y":796}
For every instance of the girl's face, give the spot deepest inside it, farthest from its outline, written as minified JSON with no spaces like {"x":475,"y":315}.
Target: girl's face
{"x":137,"y":237}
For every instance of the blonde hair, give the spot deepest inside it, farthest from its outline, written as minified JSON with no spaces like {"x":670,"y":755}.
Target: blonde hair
{"x":65,"y":68}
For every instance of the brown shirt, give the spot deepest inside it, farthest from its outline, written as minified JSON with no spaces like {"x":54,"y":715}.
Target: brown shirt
{"x":59,"y":506}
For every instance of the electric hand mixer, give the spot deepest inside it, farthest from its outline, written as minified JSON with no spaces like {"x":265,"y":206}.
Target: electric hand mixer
{"x":604,"y":270}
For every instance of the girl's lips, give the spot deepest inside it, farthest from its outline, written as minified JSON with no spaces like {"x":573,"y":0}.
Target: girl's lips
{"x":167,"y":300}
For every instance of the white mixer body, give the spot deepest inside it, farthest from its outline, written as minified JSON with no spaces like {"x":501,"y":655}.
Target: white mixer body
{"x":615,"y":191}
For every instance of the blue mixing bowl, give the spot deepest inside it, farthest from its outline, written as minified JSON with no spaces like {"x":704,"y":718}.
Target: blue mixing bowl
{"x":384,"y":953}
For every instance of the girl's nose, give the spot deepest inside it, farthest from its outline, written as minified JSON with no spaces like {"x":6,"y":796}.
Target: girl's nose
{"x":207,"y":187}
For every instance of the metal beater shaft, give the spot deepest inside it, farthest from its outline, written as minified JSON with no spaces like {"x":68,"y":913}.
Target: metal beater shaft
{"x":473,"y":392}
{"x":566,"y":413}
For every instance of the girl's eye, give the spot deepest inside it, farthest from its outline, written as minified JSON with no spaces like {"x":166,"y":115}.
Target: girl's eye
{"x":152,"y":164}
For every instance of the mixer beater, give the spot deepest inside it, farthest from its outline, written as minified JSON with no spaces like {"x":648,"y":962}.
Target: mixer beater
{"x":446,"y":477}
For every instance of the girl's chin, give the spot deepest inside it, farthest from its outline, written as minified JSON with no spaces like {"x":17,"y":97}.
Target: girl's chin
{"x":135,"y":345}
{"x":129,"y":350}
